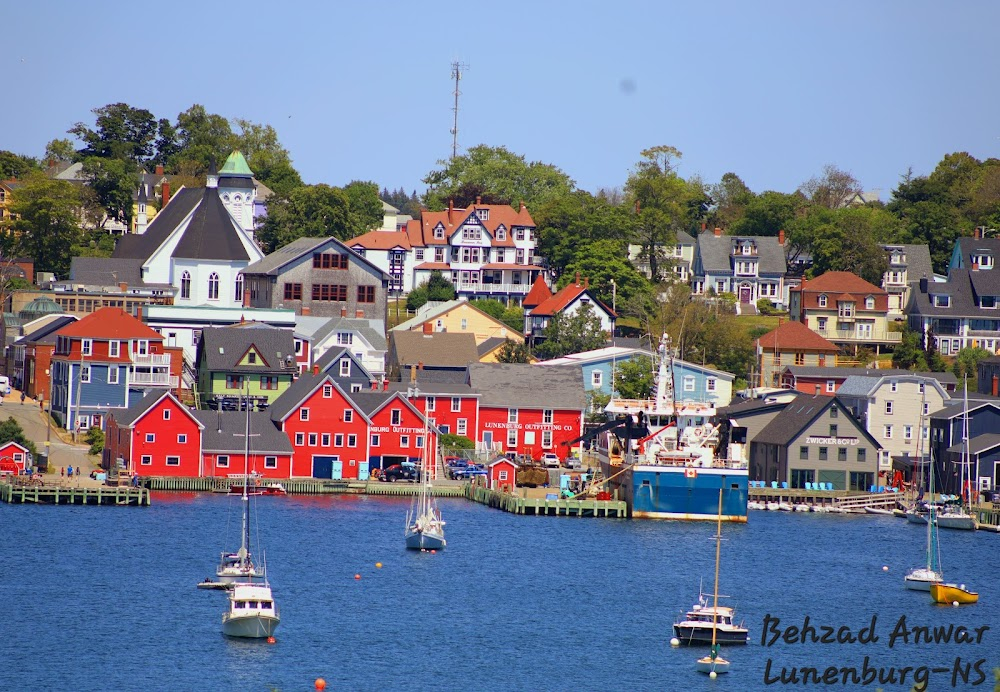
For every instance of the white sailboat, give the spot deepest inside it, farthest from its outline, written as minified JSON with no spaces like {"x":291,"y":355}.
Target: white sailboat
{"x":714,"y":663}
{"x":921,"y":578}
{"x":251,"y":611}
{"x":958,"y":516}
{"x":424,"y":525}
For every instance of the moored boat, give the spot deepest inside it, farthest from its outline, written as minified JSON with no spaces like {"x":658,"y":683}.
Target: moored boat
{"x":696,"y":625}
{"x":252,"y":613}
{"x":424,"y":525}
{"x":953,"y":593}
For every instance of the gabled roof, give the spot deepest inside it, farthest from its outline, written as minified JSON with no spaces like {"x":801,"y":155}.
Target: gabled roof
{"x":752,"y":407}
{"x":333,"y":355}
{"x":224,"y":433}
{"x":435,"y":310}
{"x":539,"y":293}
{"x":960,"y":289}
{"x":381,"y":240}
{"x":843,"y":283}
{"x":490,"y":345}
{"x":918,"y":261}
{"x":795,"y":336}
{"x":860,"y":386}
{"x":273,"y":263}
{"x":518,"y":385}
{"x":437,"y":350}
{"x":109,"y":323}
{"x":955,"y":408}
{"x":843,"y":372}
{"x":978,"y":444}
{"x":565,"y":296}
{"x":223,"y":348}
{"x":46,"y":334}
{"x":129,"y":417}
{"x":372,"y":330}
{"x":371,"y":403}
{"x":799,"y":414}
{"x":715,"y":253}
{"x":300,"y":390}
{"x":421,"y":231}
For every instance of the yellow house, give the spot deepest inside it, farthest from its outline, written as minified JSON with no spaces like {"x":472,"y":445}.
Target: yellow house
{"x":459,"y":317}
{"x":7,"y":188}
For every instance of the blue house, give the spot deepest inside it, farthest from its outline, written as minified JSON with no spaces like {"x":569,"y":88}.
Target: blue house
{"x":948,"y":447}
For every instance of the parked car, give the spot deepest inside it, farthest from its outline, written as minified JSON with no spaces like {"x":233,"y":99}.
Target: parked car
{"x":469,"y":471}
{"x":399,"y":472}
{"x":4,"y":385}
{"x":573,"y":462}
{"x":550,"y":460}
{"x":455,"y":467}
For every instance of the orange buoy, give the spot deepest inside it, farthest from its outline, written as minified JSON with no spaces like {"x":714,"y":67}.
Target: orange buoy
{"x":320,"y":684}
{"x":378,"y":565}
{"x":271,"y":640}
{"x":433,"y":551}
{"x":357,"y":576}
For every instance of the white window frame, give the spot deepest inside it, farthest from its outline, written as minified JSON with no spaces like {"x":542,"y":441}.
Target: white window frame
{"x":222,"y":461}
{"x":304,"y":414}
{"x":112,"y":374}
{"x":313,"y":439}
{"x":352,"y":440}
{"x":328,"y":391}
{"x":338,"y":439}
{"x":546,"y":439}
{"x":300,"y":439}
{"x":324,"y":440}
{"x":822,"y":300}
{"x":348,"y":415}
{"x":345,"y":367}
{"x":84,"y":373}
{"x":548,"y":416}
{"x":512,"y":437}
{"x":87,"y":347}
{"x":429,"y":404}
{"x":461,"y":426}
{"x":888,"y":407}
{"x":456,"y":404}
{"x":182,"y":438}
{"x":396,"y":416}
{"x":404,"y":441}
{"x":270,"y":462}
{"x":146,"y":460}
{"x":173,"y":460}
{"x":831,"y":386}
{"x":887,"y":432}
{"x":376,"y":440}
{"x":512,"y":415}
{"x":689,"y":383}
{"x":114,"y":348}
{"x":710,"y":384}
{"x":166,"y":414}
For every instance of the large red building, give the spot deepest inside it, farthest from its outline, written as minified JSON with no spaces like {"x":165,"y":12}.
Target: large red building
{"x":158,"y":436}
{"x":452,"y":408}
{"x":397,"y":432}
{"x":224,"y":445}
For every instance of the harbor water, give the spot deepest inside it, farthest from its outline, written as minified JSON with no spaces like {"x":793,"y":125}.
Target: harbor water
{"x":105,"y":599}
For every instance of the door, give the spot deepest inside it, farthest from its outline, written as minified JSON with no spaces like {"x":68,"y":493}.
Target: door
{"x":864,"y":330}
{"x":746,"y":293}
{"x":338,"y":470}
{"x":362,"y":470}
{"x":323,"y":466}
{"x":488,"y":439}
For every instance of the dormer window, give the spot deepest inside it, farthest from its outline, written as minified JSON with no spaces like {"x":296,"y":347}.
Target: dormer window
{"x":941,"y":301}
{"x":501,"y":233}
{"x":822,"y":300}
{"x":988,"y":302}
{"x":484,"y":214}
{"x":439,"y":232}
{"x":985,"y":261}
{"x":470,"y":233}
{"x":870,"y":303}
{"x":845,"y":308}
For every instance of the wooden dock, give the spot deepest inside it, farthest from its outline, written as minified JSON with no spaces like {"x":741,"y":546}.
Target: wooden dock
{"x":850,"y":501}
{"x":304,"y":486}
{"x":537,"y":506}
{"x":60,"y":494}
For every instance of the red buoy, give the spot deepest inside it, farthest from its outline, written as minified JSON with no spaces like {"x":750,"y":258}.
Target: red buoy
{"x":271,"y":640}
{"x":320,"y":684}
{"x":357,"y":576}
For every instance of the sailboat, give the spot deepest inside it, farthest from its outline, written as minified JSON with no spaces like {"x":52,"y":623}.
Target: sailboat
{"x":957,"y":516}
{"x":714,"y":663}
{"x":424,"y":525}
{"x":922,"y":578}
{"x":252,"y":612}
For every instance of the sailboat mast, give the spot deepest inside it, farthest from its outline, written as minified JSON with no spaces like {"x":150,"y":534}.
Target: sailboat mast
{"x":246,"y":481}
{"x":966,"y":467}
{"x":718,"y":553}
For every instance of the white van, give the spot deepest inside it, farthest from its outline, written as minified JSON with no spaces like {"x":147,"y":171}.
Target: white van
{"x":4,"y":385}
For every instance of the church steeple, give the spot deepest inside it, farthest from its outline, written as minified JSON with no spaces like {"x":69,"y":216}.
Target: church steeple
{"x":212,"y":179}
{"x":141,"y":219}
{"x":238,"y":189}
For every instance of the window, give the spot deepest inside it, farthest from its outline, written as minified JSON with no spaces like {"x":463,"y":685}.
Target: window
{"x":293,"y":291}
{"x":150,"y":438}
{"x":313,"y":439}
{"x":238,"y":290}
{"x":404,"y":440}
{"x":501,"y":233}
{"x":893,"y":386}
{"x":325,"y":439}
{"x":420,"y":254}
{"x":345,"y":338}
{"x":689,"y":383}
{"x":396,"y":416}
{"x":834,"y":412}
{"x":431,"y":403}
{"x":166,"y":414}
{"x":113,"y":375}
{"x":512,"y":437}
{"x":546,"y":439}
{"x":303,"y":414}
{"x":710,"y":384}
{"x":841,"y":453}
{"x":268,"y":382}
{"x":862,"y":452}
{"x":803,"y":453}
{"x":329,"y":292}
{"x":822,"y":453}
{"x":927,"y":408}
{"x":800,"y":358}
{"x":114,"y":348}
{"x":252,"y":357}
{"x":547,"y":416}
{"x":831,"y":386}
{"x":597,"y":378}
{"x":869,"y":303}
{"x":502,"y":475}
{"x":88,"y":347}
{"x":84,"y":373}
{"x":213,"y":286}
{"x":512,"y":415}
{"x":941,"y":301}
{"x":888,"y":408}
{"x":345,"y":367}
{"x":186,"y":285}
{"x":327,"y":391}
{"x":182,"y":439}
{"x":822,"y":300}
{"x":146,"y":460}
{"x":887,"y":432}
{"x":821,"y":324}
{"x":833,"y":431}
{"x":907,"y":432}
{"x":461,"y":426}
{"x":920,"y":388}
{"x":456,"y":404}
{"x":234,"y":381}
{"x":329,"y":260}
{"x":338,"y":440}
{"x":270,"y":462}
{"x":300,"y":439}
{"x":352,"y":440}
{"x":222,"y":461}
{"x":366,"y":294}
{"x":376,"y":440}
{"x":348,"y":415}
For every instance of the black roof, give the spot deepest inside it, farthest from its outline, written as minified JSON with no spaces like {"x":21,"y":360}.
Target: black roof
{"x":224,"y":432}
{"x":799,"y":414}
{"x":223,"y":347}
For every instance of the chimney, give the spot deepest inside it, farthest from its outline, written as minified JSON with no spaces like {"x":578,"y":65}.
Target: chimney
{"x":246,"y":297}
{"x":586,"y":282}
{"x":385,"y":385}
{"x":451,"y":209}
{"x":343,"y":312}
{"x":413,"y":374}
{"x":718,"y":232}
{"x":420,"y":365}
{"x":315,"y":369}
{"x":781,"y":237}
{"x":577,"y":279}
{"x":479,"y":199}
{"x":159,"y":169}
{"x":374,"y":386}
{"x":704,"y":225}
{"x":122,"y":286}
{"x":817,"y":390}
{"x":523,"y":207}
{"x":995,"y":391}
{"x":165,"y":193}
{"x":977,"y":233}
{"x":923,"y":284}
{"x":975,"y":266}
{"x":428,"y":327}
{"x":360,"y":314}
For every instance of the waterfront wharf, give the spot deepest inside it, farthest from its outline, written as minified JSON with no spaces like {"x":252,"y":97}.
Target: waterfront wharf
{"x":56,"y":493}
{"x":301,"y":486}
{"x":836,"y":499}
{"x":539,"y":506}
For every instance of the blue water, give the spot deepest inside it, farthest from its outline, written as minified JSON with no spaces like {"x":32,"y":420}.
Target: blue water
{"x":105,"y":598}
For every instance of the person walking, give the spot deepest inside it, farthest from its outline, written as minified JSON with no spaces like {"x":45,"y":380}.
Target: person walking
{"x":22,"y":398}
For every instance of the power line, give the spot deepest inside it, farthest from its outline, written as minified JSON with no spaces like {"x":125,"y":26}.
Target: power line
{"x":456,"y":74}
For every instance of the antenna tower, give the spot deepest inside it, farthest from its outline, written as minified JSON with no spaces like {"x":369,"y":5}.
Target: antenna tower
{"x":456,"y":74}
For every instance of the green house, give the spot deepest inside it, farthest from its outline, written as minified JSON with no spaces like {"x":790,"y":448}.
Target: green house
{"x":244,"y":359}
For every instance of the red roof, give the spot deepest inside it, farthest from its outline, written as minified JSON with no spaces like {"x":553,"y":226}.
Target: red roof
{"x":451,"y":220}
{"x":839,"y":282}
{"x":381,"y":240}
{"x":795,"y":336}
{"x":443,"y":266}
{"x":565,"y":296}
{"x":109,"y":323}
{"x":538,"y":294}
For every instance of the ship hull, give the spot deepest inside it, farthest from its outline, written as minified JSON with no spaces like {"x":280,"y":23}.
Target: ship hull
{"x":681,"y":493}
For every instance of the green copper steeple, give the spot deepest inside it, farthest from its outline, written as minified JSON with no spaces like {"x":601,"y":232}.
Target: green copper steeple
{"x":236,"y":165}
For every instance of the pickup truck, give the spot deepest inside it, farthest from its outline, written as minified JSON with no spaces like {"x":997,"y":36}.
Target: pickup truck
{"x":468,"y":471}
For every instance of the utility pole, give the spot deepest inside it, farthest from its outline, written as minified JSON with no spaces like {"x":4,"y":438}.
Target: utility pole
{"x":456,"y":74}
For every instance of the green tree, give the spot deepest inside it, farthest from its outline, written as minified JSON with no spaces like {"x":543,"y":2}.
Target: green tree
{"x":576,"y":332}
{"x":60,"y":150}
{"x":851,"y":239}
{"x":453,"y":441}
{"x":768,"y":213}
{"x":417,"y":298}
{"x":832,"y":189}
{"x":201,"y":138}
{"x":603,"y":262}
{"x":112,"y":181}
{"x":967,"y":362}
{"x":43,"y":223}
{"x":908,"y":353}
{"x":11,"y":431}
{"x":365,"y":211}
{"x":439,"y":289}
{"x":513,"y":352}
{"x":730,"y":198}
{"x":497,"y":175}
{"x":310,"y":211}
{"x":492,"y":307}
{"x":95,"y":438}
{"x":567,"y":225}
{"x":633,"y":378}
{"x":15,"y":165}
{"x":269,"y":161}
{"x":121,"y":132}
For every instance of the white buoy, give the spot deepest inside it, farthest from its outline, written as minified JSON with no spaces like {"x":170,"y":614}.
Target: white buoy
{"x":713,"y":675}
{"x":955,"y":603}
{"x":885,"y":568}
{"x":674,"y":641}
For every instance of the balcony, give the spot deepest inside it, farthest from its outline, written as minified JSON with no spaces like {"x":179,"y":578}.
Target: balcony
{"x":874,"y":336}
{"x":150,"y":359}
{"x":153,"y":379}
{"x":504,"y":289}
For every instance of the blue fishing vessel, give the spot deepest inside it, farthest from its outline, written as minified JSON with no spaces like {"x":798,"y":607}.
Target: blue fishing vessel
{"x":660,"y":455}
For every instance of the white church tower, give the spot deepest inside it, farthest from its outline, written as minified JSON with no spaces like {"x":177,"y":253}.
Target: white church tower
{"x":237,"y":190}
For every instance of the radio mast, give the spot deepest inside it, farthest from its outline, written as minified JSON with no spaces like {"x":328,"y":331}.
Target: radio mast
{"x":456,"y":74}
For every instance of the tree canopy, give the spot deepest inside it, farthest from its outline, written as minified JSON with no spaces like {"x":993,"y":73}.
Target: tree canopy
{"x":575,"y":332}
{"x":44,"y":223}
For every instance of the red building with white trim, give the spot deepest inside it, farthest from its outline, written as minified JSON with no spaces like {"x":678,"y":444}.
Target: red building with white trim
{"x":503,"y":474}
{"x":13,"y":457}
{"x":397,"y":429}
{"x":158,"y":436}
{"x":452,"y":408}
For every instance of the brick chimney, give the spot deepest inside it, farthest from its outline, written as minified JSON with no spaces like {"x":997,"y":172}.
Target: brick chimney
{"x":586,"y":282}
{"x":718,"y":231}
{"x":977,"y":233}
{"x":306,"y":311}
{"x":479,"y":199}
{"x":451,"y":209}
{"x":360,"y":314}
{"x":159,"y":169}
{"x":385,"y":385}
{"x":165,"y":193}
{"x":975,"y":266}
{"x":315,"y":369}
{"x":428,"y":327}
{"x":781,"y":237}
{"x":577,"y":279}
{"x":704,"y":225}
{"x":122,"y":286}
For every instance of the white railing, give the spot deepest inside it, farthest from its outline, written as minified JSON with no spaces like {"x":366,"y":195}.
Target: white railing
{"x":150,"y":359}
{"x":852,"y":335}
{"x":159,"y":379}
{"x":470,"y":287}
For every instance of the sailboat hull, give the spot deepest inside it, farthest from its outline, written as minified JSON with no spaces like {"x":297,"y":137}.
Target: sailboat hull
{"x":703,"y":635}
{"x":951,"y":593}
{"x":712,"y":665}
{"x":424,"y":540}
{"x":961,"y":522}
{"x":921,"y":579}
{"x":250,"y":627}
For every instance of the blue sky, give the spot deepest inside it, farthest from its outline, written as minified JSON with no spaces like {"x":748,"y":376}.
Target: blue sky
{"x":772,"y":91}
